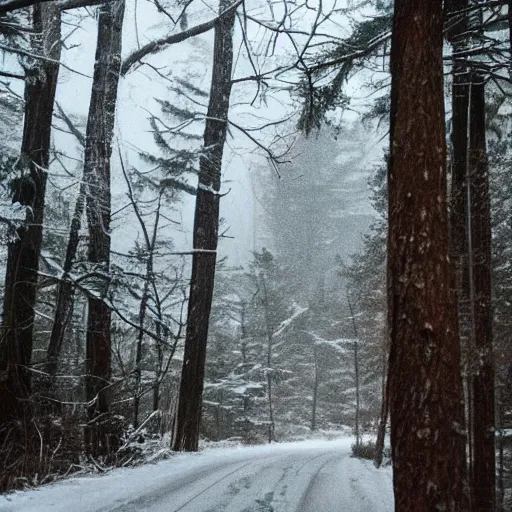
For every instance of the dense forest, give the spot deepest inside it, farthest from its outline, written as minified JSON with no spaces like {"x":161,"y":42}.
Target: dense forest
{"x":258,"y":222}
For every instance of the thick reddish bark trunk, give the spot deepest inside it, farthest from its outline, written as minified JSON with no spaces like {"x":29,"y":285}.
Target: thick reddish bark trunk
{"x":206,"y":223}
{"x":425,"y":388}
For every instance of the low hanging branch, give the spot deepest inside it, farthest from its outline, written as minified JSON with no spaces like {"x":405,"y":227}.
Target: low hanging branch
{"x":12,"y":5}
{"x":160,"y":44}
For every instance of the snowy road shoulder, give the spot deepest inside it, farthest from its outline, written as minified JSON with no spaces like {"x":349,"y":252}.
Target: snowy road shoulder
{"x":311,"y":476}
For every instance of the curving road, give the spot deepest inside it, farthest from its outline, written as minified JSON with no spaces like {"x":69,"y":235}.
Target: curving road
{"x":299,"y":477}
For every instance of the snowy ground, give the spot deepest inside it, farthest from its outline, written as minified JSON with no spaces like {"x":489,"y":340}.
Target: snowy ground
{"x":311,"y":476}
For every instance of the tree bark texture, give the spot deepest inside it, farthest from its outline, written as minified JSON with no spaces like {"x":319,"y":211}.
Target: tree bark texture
{"x":483,"y":484}
{"x":425,"y":387}
{"x":98,"y":151}
{"x":206,"y":222}
{"x":24,"y":251}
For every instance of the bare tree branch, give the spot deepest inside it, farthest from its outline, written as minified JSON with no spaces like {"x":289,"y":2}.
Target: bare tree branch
{"x":160,"y":44}
{"x":71,"y":126}
{"x":13,"y":5}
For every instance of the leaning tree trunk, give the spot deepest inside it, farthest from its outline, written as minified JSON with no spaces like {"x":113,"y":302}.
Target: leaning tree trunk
{"x":150,"y":247}
{"x":98,"y":151}
{"x":65,"y":293}
{"x":206,"y":224}
{"x":425,"y":388}
{"x":140,"y":340}
{"x":24,"y":251}
{"x":483,"y":484}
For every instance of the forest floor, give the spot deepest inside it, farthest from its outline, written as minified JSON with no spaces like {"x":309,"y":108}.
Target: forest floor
{"x":309,"y":476}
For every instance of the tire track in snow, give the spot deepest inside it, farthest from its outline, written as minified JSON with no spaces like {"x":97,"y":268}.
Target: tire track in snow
{"x":309,"y":461}
{"x":273,"y":484}
{"x":305,"y":501}
{"x":210,"y":486}
{"x":264,"y":489}
{"x":144,"y":502}
{"x":350,"y":485}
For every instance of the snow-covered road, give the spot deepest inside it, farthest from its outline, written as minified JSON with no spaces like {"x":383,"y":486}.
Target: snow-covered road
{"x":317,"y":476}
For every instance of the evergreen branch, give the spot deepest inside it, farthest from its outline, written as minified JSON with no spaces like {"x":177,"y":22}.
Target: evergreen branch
{"x":178,"y":184}
{"x":24,"y":53}
{"x":363,"y":52}
{"x":71,"y":126}
{"x":192,"y":88}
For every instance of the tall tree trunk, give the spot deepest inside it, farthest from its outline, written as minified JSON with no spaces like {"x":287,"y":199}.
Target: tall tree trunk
{"x":483,"y":483}
{"x":206,"y":224}
{"x":65,"y":291}
{"x":315,"y":387}
{"x":150,"y":242}
{"x":98,"y":151}
{"x":356,"y":369}
{"x":271,"y":424}
{"x":425,"y":388}
{"x":24,"y":252}
{"x":457,"y":35}
{"x":384,"y":410}
{"x":270,"y":343}
{"x":159,"y":362}
{"x":471,"y":249}
{"x":150,"y":246}
{"x":381,"y":429}
{"x":138,"y":356}
{"x":500,"y":491}
{"x":510,"y":34}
